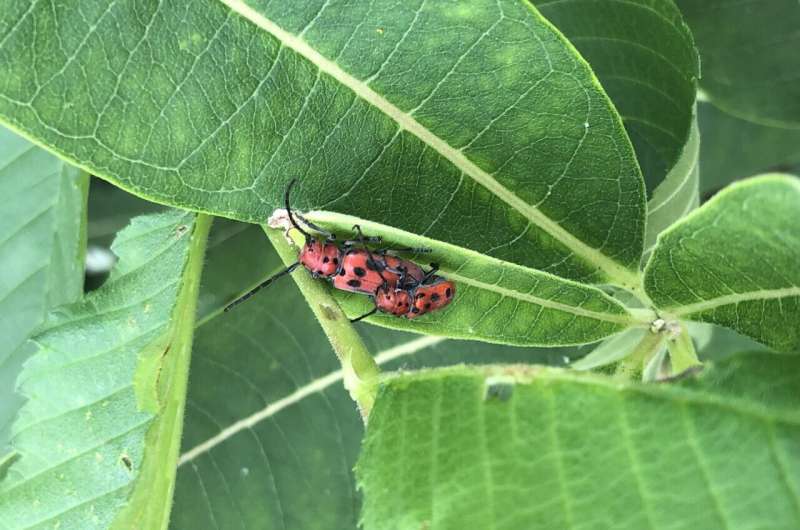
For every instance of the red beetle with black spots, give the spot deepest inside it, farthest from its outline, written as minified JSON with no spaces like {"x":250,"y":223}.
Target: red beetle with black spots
{"x":414,"y":298}
{"x":393,"y":282}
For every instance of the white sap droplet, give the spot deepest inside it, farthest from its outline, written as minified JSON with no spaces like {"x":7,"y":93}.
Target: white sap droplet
{"x":244,"y":471}
{"x":565,"y":359}
{"x":586,"y":124}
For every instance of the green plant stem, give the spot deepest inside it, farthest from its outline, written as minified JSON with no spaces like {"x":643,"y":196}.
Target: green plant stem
{"x":359,"y":369}
{"x":632,"y":366}
{"x":681,"y":352}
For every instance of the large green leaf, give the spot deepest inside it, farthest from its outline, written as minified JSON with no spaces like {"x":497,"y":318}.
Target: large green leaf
{"x":512,"y":447}
{"x":644,"y":55}
{"x":749,"y":56}
{"x":496,"y":301}
{"x":268,"y":423}
{"x":86,"y":433}
{"x":42,"y":242}
{"x":246,"y":96}
{"x":734,"y":262}
{"x":734,"y":148}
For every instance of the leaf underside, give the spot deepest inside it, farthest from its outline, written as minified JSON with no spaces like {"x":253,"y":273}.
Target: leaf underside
{"x":523,"y":447}
{"x":41,"y":251}
{"x":80,"y":387}
{"x":249,"y":96}
{"x":495,"y":301}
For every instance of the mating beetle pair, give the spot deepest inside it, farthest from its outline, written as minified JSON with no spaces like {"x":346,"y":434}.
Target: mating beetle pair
{"x":398,"y":286}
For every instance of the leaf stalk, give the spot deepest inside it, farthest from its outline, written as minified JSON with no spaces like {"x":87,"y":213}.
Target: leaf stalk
{"x":360,"y":372}
{"x":632,"y":367}
{"x":681,"y":351}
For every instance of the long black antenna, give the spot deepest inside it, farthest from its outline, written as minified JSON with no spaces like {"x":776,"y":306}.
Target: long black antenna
{"x":365,"y":315}
{"x":289,"y":209}
{"x":260,"y":286}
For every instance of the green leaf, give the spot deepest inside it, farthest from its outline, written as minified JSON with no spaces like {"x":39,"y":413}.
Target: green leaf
{"x":512,"y":447}
{"x":644,"y":55}
{"x":42,"y":243}
{"x":734,"y":262}
{"x":611,"y":350}
{"x":734,"y":148}
{"x":679,"y":194}
{"x":268,"y":422}
{"x":749,"y":56}
{"x":86,"y":434}
{"x":715,"y":343}
{"x":247,"y":97}
{"x":165,"y":373}
{"x":495,"y":301}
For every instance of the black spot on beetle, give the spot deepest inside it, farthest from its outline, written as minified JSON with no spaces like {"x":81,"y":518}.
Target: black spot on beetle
{"x":420,"y":296}
{"x":435,"y":297}
{"x":335,"y":261}
{"x":354,"y":283}
{"x":415,"y":309}
{"x":341,"y":272}
{"x":359,"y":272}
{"x":326,"y":259}
{"x":448,"y":293}
{"x":427,"y":306}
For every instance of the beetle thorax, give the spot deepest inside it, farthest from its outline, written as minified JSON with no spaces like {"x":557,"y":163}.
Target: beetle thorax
{"x":321,"y":259}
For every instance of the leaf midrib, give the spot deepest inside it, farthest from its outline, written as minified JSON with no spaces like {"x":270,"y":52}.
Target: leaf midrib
{"x":624,"y":318}
{"x":736,"y":298}
{"x":627,"y":316}
{"x":613,"y":270}
{"x":310,"y":388}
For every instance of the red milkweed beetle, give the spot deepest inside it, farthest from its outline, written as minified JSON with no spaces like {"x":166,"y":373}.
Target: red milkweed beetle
{"x":415,"y":298}
{"x":358,"y":270}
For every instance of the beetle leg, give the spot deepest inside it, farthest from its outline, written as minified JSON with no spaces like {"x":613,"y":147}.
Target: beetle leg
{"x":330,"y":236}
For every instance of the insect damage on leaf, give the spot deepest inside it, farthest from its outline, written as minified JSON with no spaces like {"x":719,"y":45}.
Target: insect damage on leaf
{"x":126,"y":461}
{"x":499,"y":388}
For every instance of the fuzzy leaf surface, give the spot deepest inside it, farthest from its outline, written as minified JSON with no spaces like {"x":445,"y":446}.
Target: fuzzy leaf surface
{"x":249,"y":95}
{"x":733,"y":262}
{"x":83,"y":433}
{"x":42,"y":243}
{"x":509,"y":447}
